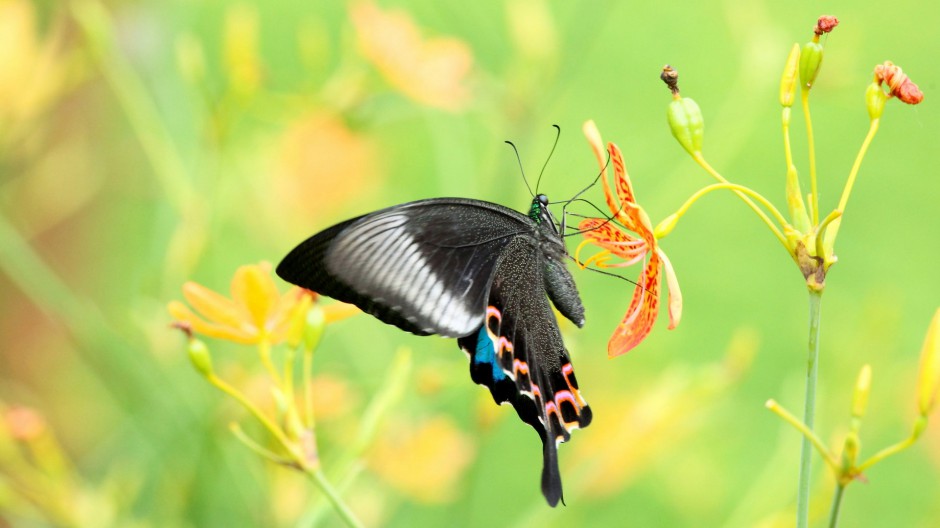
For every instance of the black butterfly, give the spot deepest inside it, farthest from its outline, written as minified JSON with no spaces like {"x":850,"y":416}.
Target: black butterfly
{"x":476,"y":271}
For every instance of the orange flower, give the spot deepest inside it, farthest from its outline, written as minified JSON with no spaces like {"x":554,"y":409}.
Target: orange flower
{"x":430,"y":71}
{"x":616,"y":242}
{"x":256,"y":312}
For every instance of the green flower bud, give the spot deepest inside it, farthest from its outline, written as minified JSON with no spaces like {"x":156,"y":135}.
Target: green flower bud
{"x":686,"y":123}
{"x":862,"y":390}
{"x":875,"y":99}
{"x":850,"y":450}
{"x":810,"y":60}
{"x":313,"y":331}
{"x":666,"y":226}
{"x":788,"y":79}
{"x":200,"y":357}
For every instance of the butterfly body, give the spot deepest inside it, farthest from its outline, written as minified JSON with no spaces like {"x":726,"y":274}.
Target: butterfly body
{"x":473,"y":270}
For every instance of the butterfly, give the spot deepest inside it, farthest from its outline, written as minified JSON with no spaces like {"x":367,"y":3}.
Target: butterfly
{"x":476,"y":271}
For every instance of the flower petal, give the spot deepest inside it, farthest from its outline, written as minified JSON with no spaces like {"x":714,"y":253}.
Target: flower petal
{"x":641,"y":315}
{"x":255,"y":293}
{"x":675,"y":295}
{"x":605,"y":234}
{"x":597,"y":145}
{"x":212,"y":306}
{"x":181,"y":313}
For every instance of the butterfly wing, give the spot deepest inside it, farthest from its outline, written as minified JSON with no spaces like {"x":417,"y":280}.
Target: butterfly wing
{"x":518,"y":353}
{"x":424,"y":266}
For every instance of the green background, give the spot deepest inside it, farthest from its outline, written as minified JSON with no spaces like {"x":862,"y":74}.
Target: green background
{"x":93,"y":249}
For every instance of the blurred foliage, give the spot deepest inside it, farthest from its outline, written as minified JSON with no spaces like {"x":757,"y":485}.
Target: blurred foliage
{"x":144,"y":144}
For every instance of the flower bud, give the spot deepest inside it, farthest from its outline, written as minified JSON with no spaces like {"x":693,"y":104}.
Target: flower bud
{"x":686,"y":123}
{"x":200,"y":357}
{"x":862,"y":390}
{"x":313,"y":331}
{"x":666,"y":226}
{"x":810,"y":59}
{"x":788,"y":79}
{"x":928,"y":381}
{"x":875,"y":99}
{"x":850,"y":450}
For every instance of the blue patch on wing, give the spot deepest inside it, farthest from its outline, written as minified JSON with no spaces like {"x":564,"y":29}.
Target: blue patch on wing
{"x":486,"y":353}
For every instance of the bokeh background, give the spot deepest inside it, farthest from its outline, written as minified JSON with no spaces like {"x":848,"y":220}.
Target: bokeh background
{"x":146,"y":143}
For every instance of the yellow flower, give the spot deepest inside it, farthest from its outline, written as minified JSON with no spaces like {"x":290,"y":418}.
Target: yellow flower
{"x":928,"y":383}
{"x":33,"y":73}
{"x":431,"y":71}
{"x":256,"y":312}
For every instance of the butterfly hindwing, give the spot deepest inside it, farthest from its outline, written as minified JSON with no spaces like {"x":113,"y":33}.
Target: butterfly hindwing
{"x":519,"y":354}
{"x":423,"y":266}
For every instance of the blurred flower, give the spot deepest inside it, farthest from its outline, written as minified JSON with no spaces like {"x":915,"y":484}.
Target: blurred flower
{"x":24,"y":423}
{"x":928,"y":383}
{"x":323,"y":165}
{"x":607,"y":234}
{"x":899,"y":84}
{"x":256,"y":311}
{"x":242,"y":62}
{"x":33,"y":73}
{"x":424,"y":461}
{"x":431,"y":71}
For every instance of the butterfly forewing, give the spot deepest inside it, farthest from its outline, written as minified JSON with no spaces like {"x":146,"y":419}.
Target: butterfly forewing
{"x":423,"y":266}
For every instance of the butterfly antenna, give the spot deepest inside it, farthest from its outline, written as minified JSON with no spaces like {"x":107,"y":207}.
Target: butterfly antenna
{"x":521,"y":170}
{"x":557,"y":136}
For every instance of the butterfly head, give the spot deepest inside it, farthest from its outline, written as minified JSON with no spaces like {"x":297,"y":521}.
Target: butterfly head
{"x":539,"y":212}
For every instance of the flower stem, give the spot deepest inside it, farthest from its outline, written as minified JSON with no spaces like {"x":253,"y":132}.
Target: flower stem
{"x":809,"y":407}
{"x":264,"y":350}
{"x":836,"y":504}
{"x":750,"y":203}
{"x":740,"y":189}
{"x":799,"y":426}
{"x":318,"y":478}
{"x":847,"y":190}
{"x":811,"y":147}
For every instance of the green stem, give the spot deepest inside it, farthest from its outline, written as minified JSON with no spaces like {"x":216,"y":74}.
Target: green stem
{"x":811,"y":147}
{"x":836,"y":504}
{"x":318,"y":478}
{"x":740,"y":189}
{"x":809,"y":406}
{"x":750,"y":203}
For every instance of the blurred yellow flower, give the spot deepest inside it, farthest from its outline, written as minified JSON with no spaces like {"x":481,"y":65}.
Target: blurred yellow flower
{"x":928,"y":383}
{"x":256,"y":311}
{"x":431,"y":71}
{"x":32,"y":73}
{"x":424,"y":461}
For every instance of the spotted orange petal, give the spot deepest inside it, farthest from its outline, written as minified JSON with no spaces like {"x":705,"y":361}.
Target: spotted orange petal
{"x":644,"y":306}
{"x":623,"y":206}
{"x":605,"y":234}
